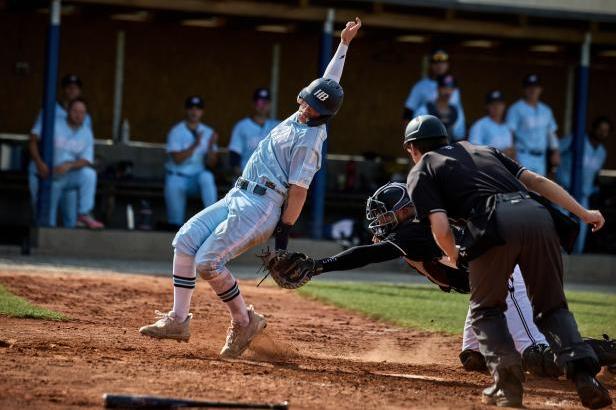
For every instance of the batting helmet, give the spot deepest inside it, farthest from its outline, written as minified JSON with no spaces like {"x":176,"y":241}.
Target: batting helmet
{"x":325,"y":96}
{"x":424,"y":127}
{"x":381,"y":207}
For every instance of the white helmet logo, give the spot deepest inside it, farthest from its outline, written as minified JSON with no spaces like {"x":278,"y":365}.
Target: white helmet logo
{"x":321,"y":95}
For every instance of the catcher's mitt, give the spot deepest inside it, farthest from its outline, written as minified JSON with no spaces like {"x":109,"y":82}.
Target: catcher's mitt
{"x":290,"y":270}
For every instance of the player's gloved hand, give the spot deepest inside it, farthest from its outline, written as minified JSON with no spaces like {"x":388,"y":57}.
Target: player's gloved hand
{"x":281,"y":235}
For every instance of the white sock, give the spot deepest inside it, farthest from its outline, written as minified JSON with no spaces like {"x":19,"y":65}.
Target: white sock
{"x":184,"y":280}
{"x":228,"y":291}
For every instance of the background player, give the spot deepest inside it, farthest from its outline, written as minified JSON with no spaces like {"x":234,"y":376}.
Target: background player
{"x":249,"y":131}
{"x":268,"y":197}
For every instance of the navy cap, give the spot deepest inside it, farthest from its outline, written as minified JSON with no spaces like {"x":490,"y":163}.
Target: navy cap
{"x":71,"y":79}
{"x":439,"y":55}
{"x":261,"y":94}
{"x":193,"y":101}
{"x":495,"y":96}
{"x":446,"y":80}
{"x":531,"y":80}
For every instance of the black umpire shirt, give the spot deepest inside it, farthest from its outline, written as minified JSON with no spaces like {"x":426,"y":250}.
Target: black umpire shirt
{"x":460,"y":177}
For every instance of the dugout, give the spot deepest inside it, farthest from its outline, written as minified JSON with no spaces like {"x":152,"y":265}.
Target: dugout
{"x":223,"y":50}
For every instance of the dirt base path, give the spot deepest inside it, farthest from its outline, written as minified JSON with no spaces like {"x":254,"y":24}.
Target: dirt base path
{"x":312,"y":355}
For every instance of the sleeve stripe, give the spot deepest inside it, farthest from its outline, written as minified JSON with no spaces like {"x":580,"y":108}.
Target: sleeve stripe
{"x":433,"y":211}
{"x":520,"y":172}
{"x":399,"y":248}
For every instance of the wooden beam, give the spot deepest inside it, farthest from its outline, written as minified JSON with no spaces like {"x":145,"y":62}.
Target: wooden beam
{"x":382,"y":20}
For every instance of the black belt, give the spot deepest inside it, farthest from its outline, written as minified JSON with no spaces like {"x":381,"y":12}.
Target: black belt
{"x":180,"y":174}
{"x":258,"y":189}
{"x":512,"y":196}
{"x":533,"y":152}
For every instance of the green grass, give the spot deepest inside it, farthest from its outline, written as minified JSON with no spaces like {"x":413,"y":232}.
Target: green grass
{"x":14,"y":306}
{"x":425,"y":307}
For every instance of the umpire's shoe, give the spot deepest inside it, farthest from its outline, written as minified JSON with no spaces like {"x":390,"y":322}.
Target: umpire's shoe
{"x":168,"y":327}
{"x":239,"y":337}
{"x":507,"y":391}
{"x":592,"y":393}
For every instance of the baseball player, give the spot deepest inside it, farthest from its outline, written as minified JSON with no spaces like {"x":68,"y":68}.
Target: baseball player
{"x":505,"y":226}
{"x":249,"y":131}
{"x":534,"y":129}
{"x":425,"y":90}
{"x":72,"y":88}
{"x":397,"y":234}
{"x":594,"y":158}
{"x":450,"y":114}
{"x":188,"y":143}
{"x":491,"y":130}
{"x":267,"y":199}
{"x":72,"y":170}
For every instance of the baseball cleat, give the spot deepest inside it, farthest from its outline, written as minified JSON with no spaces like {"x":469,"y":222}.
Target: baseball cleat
{"x":168,"y":327}
{"x":591,"y":392}
{"x":494,"y":396}
{"x":508,"y":391}
{"x":87,"y":221}
{"x":239,"y":337}
{"x":473,"y":361}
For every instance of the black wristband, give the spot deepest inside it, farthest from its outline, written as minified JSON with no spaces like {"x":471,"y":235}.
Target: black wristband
{"x":281,"y":235}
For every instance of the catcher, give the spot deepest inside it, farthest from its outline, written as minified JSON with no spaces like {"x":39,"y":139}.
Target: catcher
{"x":397,"y":234}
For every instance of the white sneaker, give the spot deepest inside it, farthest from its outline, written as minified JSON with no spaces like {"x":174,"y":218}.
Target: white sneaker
{"x":168,"y":327}
{"x":239,"y":337}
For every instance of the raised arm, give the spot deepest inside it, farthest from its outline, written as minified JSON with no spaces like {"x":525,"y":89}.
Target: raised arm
{"x":336,"y":65}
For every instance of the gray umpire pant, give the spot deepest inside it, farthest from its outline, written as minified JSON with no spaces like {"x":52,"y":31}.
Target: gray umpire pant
{"x":531,"y":241}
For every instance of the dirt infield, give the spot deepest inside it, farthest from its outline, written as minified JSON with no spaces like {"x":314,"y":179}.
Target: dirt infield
{"x":313,"y":355}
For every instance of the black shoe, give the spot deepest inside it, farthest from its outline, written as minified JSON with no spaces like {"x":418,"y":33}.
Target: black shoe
{"x":605,"y":349}
{"x":473,"y":361}
{"x":507,"y":391}
{"x":592,"y":393}
{"x":501,"y":398}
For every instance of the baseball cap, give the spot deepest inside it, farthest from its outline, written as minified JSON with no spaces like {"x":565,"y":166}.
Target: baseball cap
{"x":439,"y":55}
{"x":71,"y":79}
{"x":531,"y":79}
{"x":494,"y":96}
{"x":446,"y":80}
{"x":261,"y":94}
{"x":193,"y":101}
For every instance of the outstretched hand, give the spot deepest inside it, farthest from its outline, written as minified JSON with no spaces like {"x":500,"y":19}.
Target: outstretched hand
{"x":350,"y":31}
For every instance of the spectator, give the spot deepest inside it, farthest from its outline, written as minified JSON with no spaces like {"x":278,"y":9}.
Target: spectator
{"x":71,"y":88}
{"x":594,"y":158}
{"x":491,"y":129}
{"x":190,"y":142}
{"x":73,"y":156}
{"x":425,"y":90}
{"x":534,"y":129}
{"x":451,"y":115}
{"x":248,"y":132}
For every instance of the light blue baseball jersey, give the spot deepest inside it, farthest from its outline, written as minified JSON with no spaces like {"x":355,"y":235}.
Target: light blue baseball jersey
{"x":485,"y":131}
{"x":247,"y":134}
{"x":290,"y":154}
{"x":534,"y":131}
{"x":180,"y":138}
{"x":426,"y":90}
{"x":71,"y":144}
{"x":594,"y":158}
{"x":61,"y":116}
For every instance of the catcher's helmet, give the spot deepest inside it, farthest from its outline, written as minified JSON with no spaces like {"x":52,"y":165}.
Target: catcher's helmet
{"x":382,"y":205}
{"x":325,"y":96}
{"x":424,"y":127}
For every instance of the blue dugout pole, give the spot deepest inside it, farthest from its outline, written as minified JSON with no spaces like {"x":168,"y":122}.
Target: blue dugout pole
{"x":49,"y":110}
{"x":319,"y":186}
{"x":579,"y":126}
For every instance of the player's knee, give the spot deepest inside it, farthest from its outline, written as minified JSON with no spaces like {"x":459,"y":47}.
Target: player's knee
{"x":184,"y":241}
{"x":88,"y":175}
{"x":209,"y":270}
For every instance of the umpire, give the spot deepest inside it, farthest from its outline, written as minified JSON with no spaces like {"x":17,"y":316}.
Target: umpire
{"x":489,"y":192}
